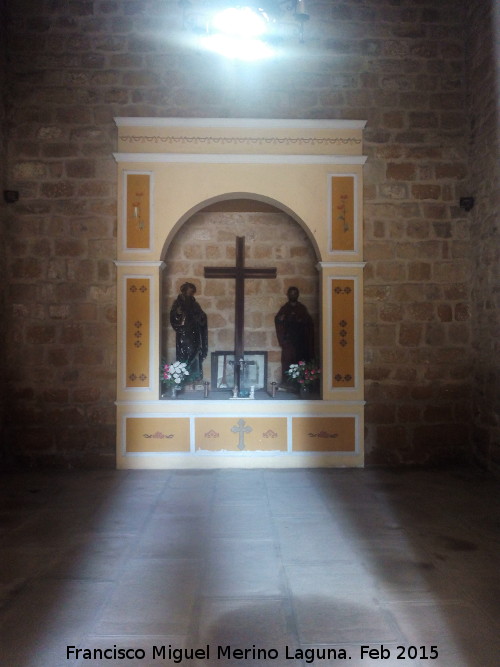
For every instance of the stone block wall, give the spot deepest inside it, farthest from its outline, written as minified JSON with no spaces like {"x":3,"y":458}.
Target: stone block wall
{"x":271,"y":240}
{"x":484,"y":95}
{"x":73,"y":66}
{"x":3,"y":258}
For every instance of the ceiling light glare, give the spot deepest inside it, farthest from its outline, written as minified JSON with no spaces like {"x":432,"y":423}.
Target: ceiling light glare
{"x":240,"y":22}
{"x":235,"y":48}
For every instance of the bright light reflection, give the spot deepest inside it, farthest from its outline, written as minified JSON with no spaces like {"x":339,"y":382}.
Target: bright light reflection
{"x":239,"y":21}
{"x":237,"y":48}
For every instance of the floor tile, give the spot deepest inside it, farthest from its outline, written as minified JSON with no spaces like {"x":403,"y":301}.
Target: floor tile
{"x":294,"y":502}
{"x":313,"y":539}
{"x":459,"y":631}
{"x":45,"y":617}
{"x":185,"y":501}
{"x":332,"y":619}
{"x":243,"y":521}
{"x":153,"y":596}
{"x":256,"y":625}
{"x":95,"y":556}
{"x":243,"y":568}
{"x":172,"y":536}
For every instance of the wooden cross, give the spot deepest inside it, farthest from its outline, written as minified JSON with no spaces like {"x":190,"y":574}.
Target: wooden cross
{"x":239,"y":273}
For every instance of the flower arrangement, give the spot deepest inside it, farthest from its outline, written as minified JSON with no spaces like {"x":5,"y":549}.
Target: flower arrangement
{"x":304,"y":373}
{"x":173,"y":374}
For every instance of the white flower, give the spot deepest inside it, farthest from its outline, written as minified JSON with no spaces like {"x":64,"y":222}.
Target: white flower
{"x":174,"y":373}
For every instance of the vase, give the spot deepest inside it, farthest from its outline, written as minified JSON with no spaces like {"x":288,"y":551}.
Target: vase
{"x":172,"y":392}
{"x":305,"y":391}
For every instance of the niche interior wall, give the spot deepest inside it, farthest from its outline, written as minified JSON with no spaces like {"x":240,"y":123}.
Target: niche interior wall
{"x":272,"y":238}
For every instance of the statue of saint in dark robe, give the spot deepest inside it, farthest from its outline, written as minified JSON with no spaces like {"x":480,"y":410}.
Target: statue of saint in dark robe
{"x":295,"y":332}
{"x":190,"y":325}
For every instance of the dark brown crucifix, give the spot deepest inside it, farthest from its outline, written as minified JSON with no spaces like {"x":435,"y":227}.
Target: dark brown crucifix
{"x":239,"y":273}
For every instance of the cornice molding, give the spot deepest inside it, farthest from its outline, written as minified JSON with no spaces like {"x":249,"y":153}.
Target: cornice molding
{"x":240,"y":141}
{"x":256,"y":123}
{"x":132,"y":262}
{"x":343,"y":265}
{"x":218,"y":158}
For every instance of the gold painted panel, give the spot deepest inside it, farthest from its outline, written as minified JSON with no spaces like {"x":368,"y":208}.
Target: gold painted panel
{"x":240,"y":435}
{"x":343,"y":333}
{"x":324,"y":434}
{"x":138,"y":210}
{"x":157,"y":434}
{"x":342,"y":212}
{"x":137,"y":332}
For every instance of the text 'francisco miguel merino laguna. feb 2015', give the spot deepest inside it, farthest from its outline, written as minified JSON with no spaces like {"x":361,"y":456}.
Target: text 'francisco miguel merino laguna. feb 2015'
{"x":222,"y":653}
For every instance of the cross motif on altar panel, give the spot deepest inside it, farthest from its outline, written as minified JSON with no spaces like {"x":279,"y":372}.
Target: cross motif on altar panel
{"x":241,"y":429}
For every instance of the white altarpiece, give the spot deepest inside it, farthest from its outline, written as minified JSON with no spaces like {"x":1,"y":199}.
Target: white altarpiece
{"x":168,"y":169}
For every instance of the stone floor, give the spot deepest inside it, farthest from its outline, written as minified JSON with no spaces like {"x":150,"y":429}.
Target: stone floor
{"x":292,"y":565}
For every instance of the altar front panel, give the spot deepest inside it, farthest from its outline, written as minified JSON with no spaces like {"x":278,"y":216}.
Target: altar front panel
{"x":156,"y":434}
{"x":212,"y":434}
{"x":250,"y":434}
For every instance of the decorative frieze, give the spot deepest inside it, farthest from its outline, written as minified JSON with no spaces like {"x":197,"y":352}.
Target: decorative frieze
{"x":216,"y":135}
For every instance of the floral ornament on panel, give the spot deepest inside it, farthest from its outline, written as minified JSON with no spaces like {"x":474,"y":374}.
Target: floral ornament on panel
{"x":342,"y":217}
{"x":136,"y":214}
{"x":304,"y":373}
{"x":172,"y":375}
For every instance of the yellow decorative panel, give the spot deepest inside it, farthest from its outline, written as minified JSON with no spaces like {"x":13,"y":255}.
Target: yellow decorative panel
{"x":343,"y":332}
{"x":241,"y":434}
{"x":343,"y":216}
{"x":137,"y":332}
{"x":324,"y":434}
{"x":138,"y":210}
{"x":157,"y":434}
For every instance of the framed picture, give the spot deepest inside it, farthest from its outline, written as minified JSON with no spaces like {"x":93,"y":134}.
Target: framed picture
{"x":222,"y":367}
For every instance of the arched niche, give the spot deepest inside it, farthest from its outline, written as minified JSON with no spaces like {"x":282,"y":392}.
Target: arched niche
{"x":169,"y":170}
{"x":206,"y":237}
{"x":233,"y":201}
